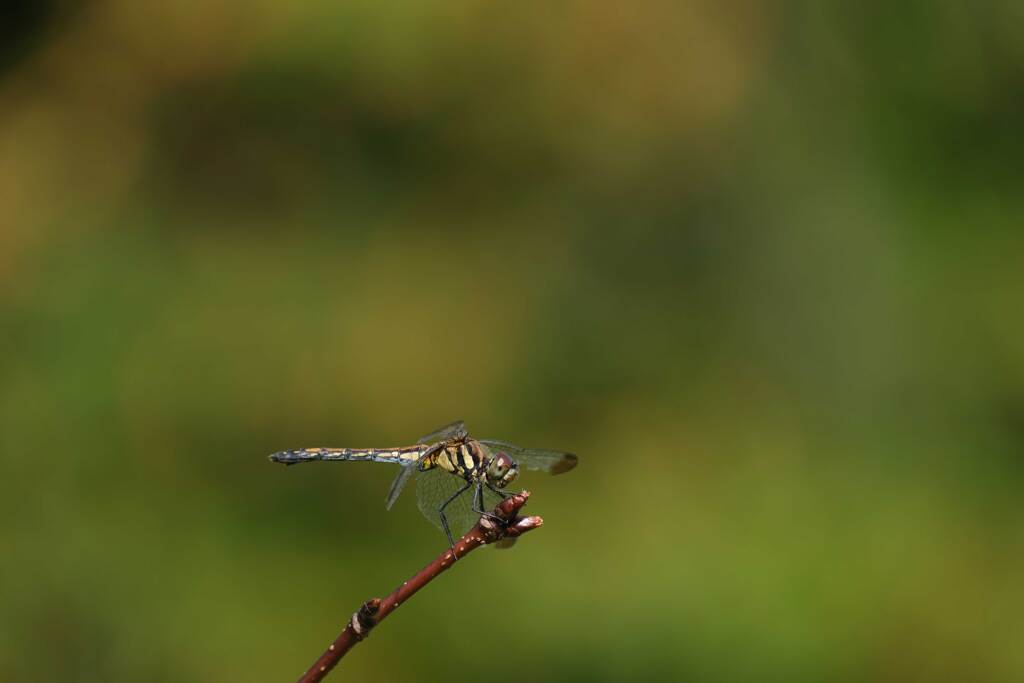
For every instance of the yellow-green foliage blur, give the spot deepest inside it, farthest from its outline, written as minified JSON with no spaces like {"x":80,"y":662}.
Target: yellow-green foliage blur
{"x":761,"y":265}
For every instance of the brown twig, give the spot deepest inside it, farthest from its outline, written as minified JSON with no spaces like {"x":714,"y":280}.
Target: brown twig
{"x":506,"y":525}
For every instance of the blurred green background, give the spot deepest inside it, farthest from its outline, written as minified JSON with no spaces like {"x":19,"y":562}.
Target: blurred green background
{"x":760,"y":264}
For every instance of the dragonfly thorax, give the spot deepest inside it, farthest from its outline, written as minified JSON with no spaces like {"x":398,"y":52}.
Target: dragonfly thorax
{"x":469,"y":460}
{"x":463,"y":458}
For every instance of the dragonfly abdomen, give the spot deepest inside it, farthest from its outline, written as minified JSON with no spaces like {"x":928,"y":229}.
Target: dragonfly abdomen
{"x":402,"y":456}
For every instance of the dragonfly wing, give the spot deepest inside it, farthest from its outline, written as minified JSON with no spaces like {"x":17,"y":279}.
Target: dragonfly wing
{"x":456,"y":430}
{"x":553,"y":462}
{"x":435,"y":486}
{"x":399,"y":483}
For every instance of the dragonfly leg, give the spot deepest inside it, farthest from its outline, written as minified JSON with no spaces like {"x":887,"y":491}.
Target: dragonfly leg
{"x":444,"y":517}
{"x":504,"y":495}
{"x":478,"y":504}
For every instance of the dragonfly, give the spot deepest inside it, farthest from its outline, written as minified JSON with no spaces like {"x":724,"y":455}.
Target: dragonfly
{"x":458,"y":478}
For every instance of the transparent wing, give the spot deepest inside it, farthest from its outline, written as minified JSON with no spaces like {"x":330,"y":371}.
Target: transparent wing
{"x":553,"y":462}
{"x":435,"y":486}
{"x":399,"y":483}
{"x":456,"y":430}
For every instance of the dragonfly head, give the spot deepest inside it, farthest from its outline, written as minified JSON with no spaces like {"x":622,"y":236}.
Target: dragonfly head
{"x":502,"y":470}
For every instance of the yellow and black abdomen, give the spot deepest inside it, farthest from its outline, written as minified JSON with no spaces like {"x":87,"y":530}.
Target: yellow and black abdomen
{"x":400,"y":456}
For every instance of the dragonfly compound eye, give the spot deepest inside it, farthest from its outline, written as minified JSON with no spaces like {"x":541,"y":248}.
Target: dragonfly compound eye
{"x":499,"y":468}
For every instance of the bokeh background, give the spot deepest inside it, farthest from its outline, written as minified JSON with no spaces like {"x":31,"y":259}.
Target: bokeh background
{"x":760,"y":264}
